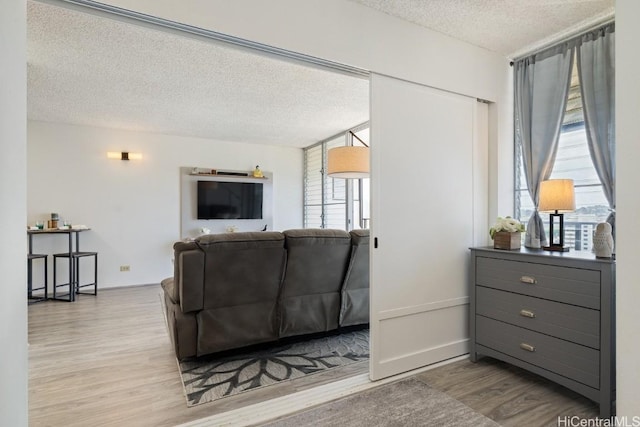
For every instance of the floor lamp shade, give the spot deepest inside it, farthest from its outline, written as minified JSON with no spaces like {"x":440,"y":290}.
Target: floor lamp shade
{"x":348,"y":162}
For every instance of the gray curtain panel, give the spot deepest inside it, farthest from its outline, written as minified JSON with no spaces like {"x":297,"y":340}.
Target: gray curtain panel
{"x":596,"y":69}
{"x":541,"y":88}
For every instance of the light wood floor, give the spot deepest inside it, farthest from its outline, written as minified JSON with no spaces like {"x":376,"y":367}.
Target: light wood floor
{"x":107,"y":361}
{"x":508,"y":395}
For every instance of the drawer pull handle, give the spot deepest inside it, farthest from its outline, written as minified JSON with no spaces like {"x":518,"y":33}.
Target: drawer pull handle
{"x":527,"y":313}
{"x":528,"y":279}
{"x":527,"y":347}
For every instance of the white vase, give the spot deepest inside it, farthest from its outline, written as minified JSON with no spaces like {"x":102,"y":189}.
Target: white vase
{"x":603,"y":241}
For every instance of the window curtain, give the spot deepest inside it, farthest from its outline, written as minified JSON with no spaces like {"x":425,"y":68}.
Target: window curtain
{"x":541,"y":89}
{"x":596,"y":70}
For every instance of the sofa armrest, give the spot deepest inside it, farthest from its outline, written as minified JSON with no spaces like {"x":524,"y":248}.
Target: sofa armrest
{"x":169,"y":287}
{"x":188,"y":276}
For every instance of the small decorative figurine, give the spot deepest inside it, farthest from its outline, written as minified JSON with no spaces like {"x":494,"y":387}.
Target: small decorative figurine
{"x":257,"y":173}
{"x":603,"y":241}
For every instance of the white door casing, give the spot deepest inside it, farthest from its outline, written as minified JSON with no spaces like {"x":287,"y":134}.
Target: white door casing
{"x":427,"y":161}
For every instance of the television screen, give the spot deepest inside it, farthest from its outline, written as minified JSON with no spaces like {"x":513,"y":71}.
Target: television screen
{"x":229,"y":200}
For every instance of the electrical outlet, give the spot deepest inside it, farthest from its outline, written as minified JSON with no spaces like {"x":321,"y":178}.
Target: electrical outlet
{"x":125,"y":268}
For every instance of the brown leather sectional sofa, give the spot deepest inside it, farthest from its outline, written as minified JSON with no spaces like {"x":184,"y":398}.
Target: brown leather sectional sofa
{"x":236,"y":289}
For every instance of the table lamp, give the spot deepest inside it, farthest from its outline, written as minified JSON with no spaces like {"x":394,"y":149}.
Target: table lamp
{"x":557,"y":196}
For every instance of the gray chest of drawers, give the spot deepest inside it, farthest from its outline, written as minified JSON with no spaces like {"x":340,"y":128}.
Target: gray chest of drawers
{"x":550,"y":313}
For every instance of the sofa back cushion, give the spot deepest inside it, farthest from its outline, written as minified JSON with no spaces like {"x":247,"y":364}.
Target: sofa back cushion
{"x":242,"y":277}
{"x":254,"y":260}
{"x":316,"y":265}
{"x":355,"y":290}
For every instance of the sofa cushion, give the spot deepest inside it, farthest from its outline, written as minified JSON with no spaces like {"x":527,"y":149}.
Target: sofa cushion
{"x":240,"y":240}
{"x":359,"y":237}
{"x":242,"y":268}
{"x":319,"y":236}
{"x":354,"y":308}
{"x":317,"y":260}
{"x":316,"y":264}
{"x":242,"y":277}
{"x":236,"y":326}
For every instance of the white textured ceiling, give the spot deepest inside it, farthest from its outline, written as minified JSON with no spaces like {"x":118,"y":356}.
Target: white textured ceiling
{"x":90,"y":70}
{"x":509,"y":27}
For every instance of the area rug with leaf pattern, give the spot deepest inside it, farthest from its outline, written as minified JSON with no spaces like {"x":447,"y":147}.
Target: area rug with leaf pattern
{"x":211,"y":378}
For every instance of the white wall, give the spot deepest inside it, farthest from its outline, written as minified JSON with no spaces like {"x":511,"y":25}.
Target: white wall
{"x":628,"y":205}
{"x":349,"y":33}
{"x":13,"y":169}
{"x":133,"y":207}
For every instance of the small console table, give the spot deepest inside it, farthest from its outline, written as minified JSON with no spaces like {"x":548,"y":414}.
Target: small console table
{"x":70,"y":232}
{"x":73,"y":248}
{"x":549,"y":313}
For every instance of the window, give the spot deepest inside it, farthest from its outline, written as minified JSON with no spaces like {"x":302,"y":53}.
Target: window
{"x":361,"y":192}
{"x":334,"y":202}
{"x":573,"y":161}
{"x":313,"y":186}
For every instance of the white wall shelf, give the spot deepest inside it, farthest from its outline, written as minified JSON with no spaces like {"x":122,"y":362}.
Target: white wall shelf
{"x":222,"y":175}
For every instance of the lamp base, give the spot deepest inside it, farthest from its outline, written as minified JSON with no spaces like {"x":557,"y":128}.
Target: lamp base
{"x":556,"y":248}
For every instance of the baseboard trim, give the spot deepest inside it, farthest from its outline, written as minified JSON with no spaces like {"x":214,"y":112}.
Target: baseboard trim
{"x":138,"y":285}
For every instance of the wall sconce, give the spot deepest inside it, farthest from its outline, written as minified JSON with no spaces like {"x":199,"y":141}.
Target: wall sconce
{"x":124,"y":155}
{"x":557,"y":196}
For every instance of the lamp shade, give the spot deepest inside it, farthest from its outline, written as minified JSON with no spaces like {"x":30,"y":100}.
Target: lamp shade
{"x":557,"y":195}
{"x":348,"y":162}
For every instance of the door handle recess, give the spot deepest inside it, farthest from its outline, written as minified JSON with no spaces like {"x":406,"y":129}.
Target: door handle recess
{"x":527,"y":347}
{"x":527,"y":313}
{"x":528,"y":279}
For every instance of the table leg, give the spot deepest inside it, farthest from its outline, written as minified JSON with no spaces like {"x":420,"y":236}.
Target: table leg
{"x":29,"y":278}
{"x":72,"y":287}
{"x":29,"y":269}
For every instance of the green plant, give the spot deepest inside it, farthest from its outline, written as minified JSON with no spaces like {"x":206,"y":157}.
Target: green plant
{"x":509,"y":224}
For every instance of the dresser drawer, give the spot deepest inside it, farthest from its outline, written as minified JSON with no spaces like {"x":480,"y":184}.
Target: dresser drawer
{"x":564,"y":358}
{"x":577,"y":324}
{"x":563,"y":284}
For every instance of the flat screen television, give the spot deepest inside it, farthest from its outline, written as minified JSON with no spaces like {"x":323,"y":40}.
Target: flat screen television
{"x":229,"y":200}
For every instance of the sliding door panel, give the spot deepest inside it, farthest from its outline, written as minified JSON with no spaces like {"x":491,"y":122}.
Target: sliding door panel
{"x":422,"y":182}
